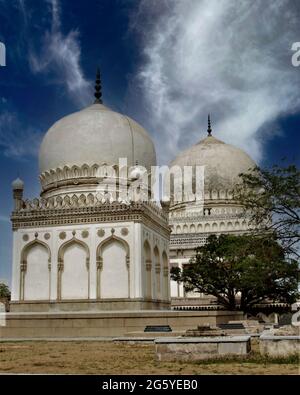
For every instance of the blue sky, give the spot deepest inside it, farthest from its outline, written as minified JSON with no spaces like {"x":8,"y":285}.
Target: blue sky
{"x":166,"y":63}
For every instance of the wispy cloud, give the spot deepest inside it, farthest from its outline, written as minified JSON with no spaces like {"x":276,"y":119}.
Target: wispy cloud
{"x":61,"y":55}
{"x":17,"y":141}
{"x":231,"y":58}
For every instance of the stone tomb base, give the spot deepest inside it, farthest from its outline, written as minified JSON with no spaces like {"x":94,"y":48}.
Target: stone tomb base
{"x":198,"y":348}
{"x":279,"y":346}
{"x":73,"y":325}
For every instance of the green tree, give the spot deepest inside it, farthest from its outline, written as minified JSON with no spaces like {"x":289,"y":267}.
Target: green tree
{"x":4,"y":291}
{"x":272,"y":199}
{"x":240,"y":271}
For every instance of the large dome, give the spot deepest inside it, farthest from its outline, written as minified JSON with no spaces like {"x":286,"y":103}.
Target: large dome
{"x":223,"y":162}
{"x":95,"y":135}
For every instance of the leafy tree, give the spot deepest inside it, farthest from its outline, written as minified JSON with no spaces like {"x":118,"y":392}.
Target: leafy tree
{"x":272,"y":199}
{"x":4,"y":291}
{"x":240,"y":271}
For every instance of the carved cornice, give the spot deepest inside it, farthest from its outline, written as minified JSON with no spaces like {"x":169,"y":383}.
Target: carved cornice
{"x":147,"y":213}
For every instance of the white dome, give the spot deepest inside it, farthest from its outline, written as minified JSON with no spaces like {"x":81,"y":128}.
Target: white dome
{"x":17,"y":184}
{"x":95,"y":135}
{"x":223,"y":162}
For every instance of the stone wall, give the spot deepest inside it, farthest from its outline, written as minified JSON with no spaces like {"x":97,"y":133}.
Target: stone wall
{"x":91,"y":324}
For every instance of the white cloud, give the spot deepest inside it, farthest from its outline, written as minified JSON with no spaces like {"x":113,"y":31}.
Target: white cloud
{"x":16,"y":140}
{"x":231,"y":58}
{"x":61,"y":55}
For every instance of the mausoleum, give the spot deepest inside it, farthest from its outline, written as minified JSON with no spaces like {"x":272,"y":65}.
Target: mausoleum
{"x":83,"y":245}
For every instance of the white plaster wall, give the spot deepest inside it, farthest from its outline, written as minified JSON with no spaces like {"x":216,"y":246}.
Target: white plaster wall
{"x":114,"y":275}
{"x":36,"y":283}
{"x":15,"y":283}
{"x":74,"y":278}
{"x":51,"y":236}
{"x":155,"y":240}
{"x":137,"y":263}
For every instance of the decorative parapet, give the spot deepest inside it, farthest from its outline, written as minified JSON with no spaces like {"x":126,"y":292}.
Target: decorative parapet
{"x":67,"y":211}
{"x":215,"y":212}
{"x":68,"y":174}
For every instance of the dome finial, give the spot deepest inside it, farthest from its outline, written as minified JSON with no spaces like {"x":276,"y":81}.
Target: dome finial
{"x":98,"y":91}
{"x":209,"y":130}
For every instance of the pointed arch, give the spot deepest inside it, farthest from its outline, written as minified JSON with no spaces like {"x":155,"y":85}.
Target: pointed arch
{"x":75,"y":171}
{"x":199,"y":228}
{"x":166,"y":279}
{"x":147,"y":269}
{"x":157,"y":276}
{"x":222,"y":226}
{"x":114,"y":247}
{"x":207,"y":227}
{"x":67,"y":172}
{"x":229,"y":226}
{"x":25,"y":285}
{"x":85,"y":170}
{"x":75,"y":269}
{"x":60,"y":174}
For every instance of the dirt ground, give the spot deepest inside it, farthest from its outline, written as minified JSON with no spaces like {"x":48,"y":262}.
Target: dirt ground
{"x":111,"y":358}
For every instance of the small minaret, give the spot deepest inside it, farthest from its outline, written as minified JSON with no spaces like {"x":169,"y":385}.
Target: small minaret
{"x":98,"y":89}
{"x":18,"y":188}
{"x":209,"y":129}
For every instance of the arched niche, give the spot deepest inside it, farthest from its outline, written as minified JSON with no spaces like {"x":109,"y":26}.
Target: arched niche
{"x":148,"y":269}
{"x":166,"y":279}
{"x":157,"y":277}
{"x":229,"y":226}
{"x":207,"y":227}
{"x":113,"y":268}
{"x":35,"y":271}
{"x":73,"y":270}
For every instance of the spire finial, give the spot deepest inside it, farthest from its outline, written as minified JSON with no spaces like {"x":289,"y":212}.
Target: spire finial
{"x":209,"y":130}
{"x":98,"y":92}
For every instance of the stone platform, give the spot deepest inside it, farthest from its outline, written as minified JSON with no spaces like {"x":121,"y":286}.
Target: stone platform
{"x":199,"y":348}
{"x":106,"y":323}
{"x":134,"y":304}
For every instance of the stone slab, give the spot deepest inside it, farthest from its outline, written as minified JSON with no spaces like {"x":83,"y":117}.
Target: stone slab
{"x":199,"y":348}
{"x":279,"y":346}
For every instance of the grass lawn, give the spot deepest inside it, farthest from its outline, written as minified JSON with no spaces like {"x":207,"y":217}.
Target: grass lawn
{"x":111,"y":358}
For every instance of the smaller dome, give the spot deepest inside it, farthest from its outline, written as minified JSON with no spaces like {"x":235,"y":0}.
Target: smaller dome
{"x":223,"y":163}
{"x":17,"y":184}
{"x":137,"y":172}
